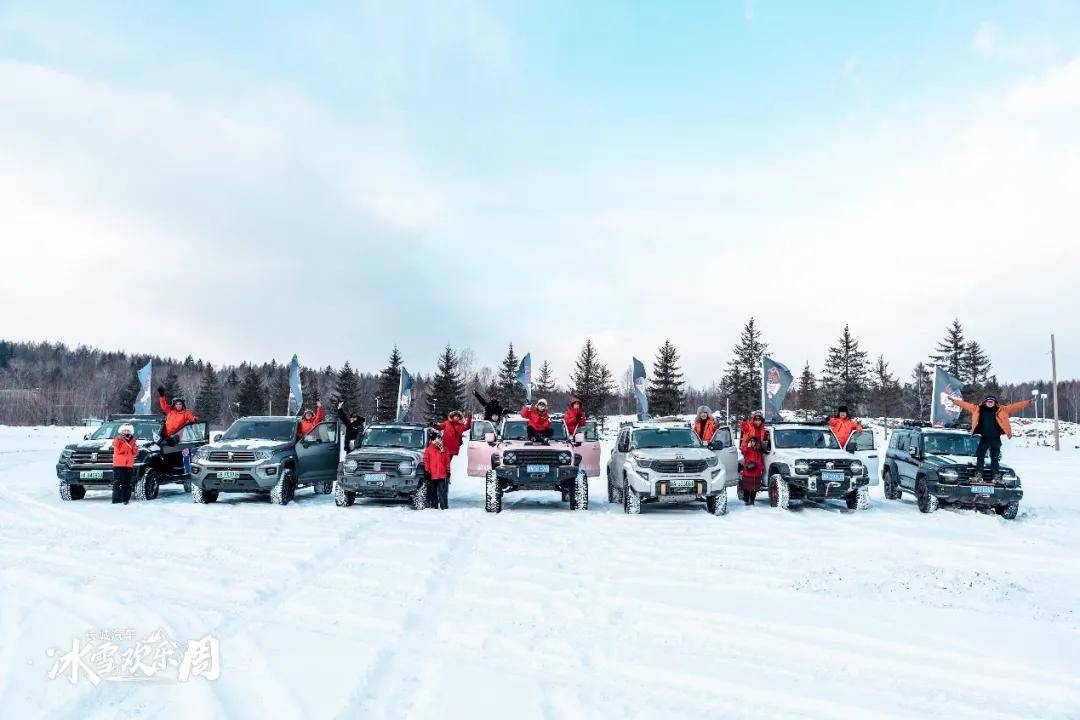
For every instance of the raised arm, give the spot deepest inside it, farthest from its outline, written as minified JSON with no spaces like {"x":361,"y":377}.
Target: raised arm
{"x":479,"y":398}
{"x":1016,"y":406}
{"x":163,"y":404}
{"x":970,"y":407}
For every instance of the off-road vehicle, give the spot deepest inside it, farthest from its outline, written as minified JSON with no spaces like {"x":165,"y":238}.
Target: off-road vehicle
{"x":664,"y":462}
{"x":509,"y":462}
{"x":264,"y":455}
{"x":87,"y":465}
{"x":937,"y":466}
{"x":386,"y":464}
{"x":803,"y":461}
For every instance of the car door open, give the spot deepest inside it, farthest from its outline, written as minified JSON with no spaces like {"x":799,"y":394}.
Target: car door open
{"x":481,"y":445}
{"x":723,"y":445}
{"x":861,"y":444}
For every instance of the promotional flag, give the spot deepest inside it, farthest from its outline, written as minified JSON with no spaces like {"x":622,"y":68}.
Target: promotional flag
{"x":404,"y":395}
{"x":944,"y":411}
{"x":296,"y":393}
{"x":639,"y":389}
{"x":776,"y":381}
{"x":142,"y":400}
{"x":524,"y":375}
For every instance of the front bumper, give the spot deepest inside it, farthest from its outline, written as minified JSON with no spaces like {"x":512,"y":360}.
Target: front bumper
{"x":814,"y":488}
{"x":677,"y":488}
{"x":77,"y":476}
{"x":518,"y":477}
{"x":250,"y":477}
{"x":389,"y":486}
{"x":964,"y":495}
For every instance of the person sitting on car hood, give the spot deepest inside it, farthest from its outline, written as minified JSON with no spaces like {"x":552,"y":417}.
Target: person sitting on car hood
{"x":704,"y":425}
{"x":453,"y":428}
{"x":843,"y":425}
{"x":539,"y":420}
{"x":176,"y":415}
{"x":990,"y":420}
{"x":574,"y":417}
{"x":310,"y":419}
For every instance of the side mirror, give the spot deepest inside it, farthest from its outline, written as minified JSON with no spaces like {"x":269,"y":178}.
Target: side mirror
{"x":766,"y":447}
{"x":214,"y":436}
{"x":579,"y":438}
{"x":86,"y":436}
{"x":352,"y":446}
{"x":489,"y":438}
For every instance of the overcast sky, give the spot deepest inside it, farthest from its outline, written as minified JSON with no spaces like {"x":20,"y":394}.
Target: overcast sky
{"x":250,"y":181}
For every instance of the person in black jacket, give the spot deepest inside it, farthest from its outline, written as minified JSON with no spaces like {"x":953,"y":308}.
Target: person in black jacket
{"x":353,"y":424}
{"x":492,"y":409}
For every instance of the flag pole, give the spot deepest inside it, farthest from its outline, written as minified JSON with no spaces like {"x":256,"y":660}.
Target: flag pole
{"x":1053,"y":376}
{"x":763,"y":411}
{"x":397,"y":407}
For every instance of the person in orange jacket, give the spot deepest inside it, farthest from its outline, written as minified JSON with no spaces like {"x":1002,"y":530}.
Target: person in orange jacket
{"x":453,"y":428}
{"x":843,"y":425}
{"x":437,"y":466}
{"x":704,"y":425}
{"x":990,"y":420}
{"x":176,"y":416}
{"x":310,"y":419}
{"x":574,"y":417}
{"x":125,"y":448}
{"x":754,"y":428}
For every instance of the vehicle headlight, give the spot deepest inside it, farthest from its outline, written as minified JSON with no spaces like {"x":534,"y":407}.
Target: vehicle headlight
{"x":712,"y":461}
{"x":1010,"y":478}
{"x":802,"y":467}
{"x":261,"y":455}
{"x":643,"y":462}
{"x":565,"y":458}
{"x":67,"y":453}
{"x":950,"y":475}
{"x":510,"y":458}
{"x":857,"y":468}
{"x":405,"y":467}
{"x":202,"y":453}
{"x":350,"y":466}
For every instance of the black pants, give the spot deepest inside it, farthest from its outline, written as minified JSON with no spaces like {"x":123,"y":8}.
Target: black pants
{"x":438,"y":490}
{"x":539,"y":435}
{"x":748,"y":496}
{"x":993,"y":444}
{"x":121,"y":484}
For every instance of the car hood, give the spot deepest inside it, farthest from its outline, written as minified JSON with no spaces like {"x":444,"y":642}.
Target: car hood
{"x":814,"y":454}
{"x":522,"y":445}
{"x":674,"y":453}
{"x":943,"y":460}
{"x":101,"y":445}
{"x":363,"y":452}
{"x":249,"y":444}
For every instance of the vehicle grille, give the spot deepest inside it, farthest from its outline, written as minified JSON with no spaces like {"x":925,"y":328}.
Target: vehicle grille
{"x":968,"y":473}
{"x":236,"y":456}
{"x":386,"y":464}
{"x":817,"y":466}
{"x":535,"y":457}
{"x":86,"y":457}
{"x":677,"y":467}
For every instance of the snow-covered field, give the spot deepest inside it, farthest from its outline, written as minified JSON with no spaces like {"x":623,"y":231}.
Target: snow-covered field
{"x":377,"y":611}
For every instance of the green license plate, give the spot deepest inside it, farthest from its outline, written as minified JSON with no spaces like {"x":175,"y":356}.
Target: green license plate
{"x":681,"y":483}
{"x":91,"y":474}
{"x":228,"y":475}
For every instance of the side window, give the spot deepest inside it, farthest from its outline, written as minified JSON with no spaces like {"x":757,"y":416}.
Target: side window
{"x":193,"y":433}
{"x":624,"y":441}
{"x":592,"y":434}
{"x":479,"y":429}
{"x":324,"y":433}
{"x":723,"y":437}
{"x":902,"y":441}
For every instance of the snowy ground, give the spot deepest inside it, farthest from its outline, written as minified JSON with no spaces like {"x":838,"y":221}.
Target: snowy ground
{"x":376,"y":611}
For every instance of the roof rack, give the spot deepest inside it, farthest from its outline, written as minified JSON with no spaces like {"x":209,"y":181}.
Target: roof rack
{"x":810,"y":422}
{"x":135,"y":416}
{"x":916,"y":423}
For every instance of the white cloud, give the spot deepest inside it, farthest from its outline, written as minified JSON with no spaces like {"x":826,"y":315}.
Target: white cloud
{"x":990,"y":42}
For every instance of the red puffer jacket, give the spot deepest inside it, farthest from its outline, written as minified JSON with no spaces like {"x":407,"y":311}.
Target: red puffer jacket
{"x":537,"y":420}
{"x":574,"y":417}
{"x":175,"y":419}
{"x":753,"y":468}
{"x":452,"y":431}
{"x":124,"y":451}
{"x":436,"y":463}
{"x":750,"y":430}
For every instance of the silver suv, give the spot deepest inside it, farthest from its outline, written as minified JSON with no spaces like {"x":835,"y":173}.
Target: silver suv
{"x":387,"y":464}
{"x":804,"y":461}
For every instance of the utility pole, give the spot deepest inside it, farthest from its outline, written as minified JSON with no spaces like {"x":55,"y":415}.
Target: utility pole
{"x":1053,"y":378}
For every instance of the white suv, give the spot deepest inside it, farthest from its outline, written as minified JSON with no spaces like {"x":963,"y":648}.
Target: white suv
{"x":664,"y":462}
{"x":804,"y":461}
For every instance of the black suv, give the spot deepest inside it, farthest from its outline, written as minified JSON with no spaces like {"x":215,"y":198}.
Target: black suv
{"x":937,"y":465}
{"x":87,"y":465}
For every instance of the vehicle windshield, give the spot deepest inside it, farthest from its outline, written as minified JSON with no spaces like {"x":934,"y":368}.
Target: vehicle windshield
{"x":282,"y":430}
{"x":518,"y":430}
{"x":950,"y":444}
{"x":805,"y":438}
{"x":664,"y":438}
{"x":109,"y":430}
{"x":394,"y":437}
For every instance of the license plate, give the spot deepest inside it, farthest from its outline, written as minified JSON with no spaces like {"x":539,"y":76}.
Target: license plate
{"x":91,"y":474}
{"x":982,"y":489}
{"x":681,"y":483}
{"x":536,"y":469}
{"x":375,"y":477}
{"x":832,"y":475}
{"x":228,"y":475}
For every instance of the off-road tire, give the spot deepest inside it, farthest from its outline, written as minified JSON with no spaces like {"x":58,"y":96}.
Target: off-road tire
{"x":283,"y":492}
{"x":187,"y":485}
{"x":631,"y":501}
{"x":717,"y":504}
{"x":71,"y":492}
{"x":492,"y":493}
{"x":419,"y":498}
{"x":779,"y":492}
{"x":892,"y":490}
{"x":1008,"y":511}
{"x":580,"y":497}
{"x":343,"y":497}
{"x":927,"y":503}
{"x":610,"y":491}
{"x":862,"y":498}
{"x":202,"y":496}
{"x":147,"y":485}
{"x":325,"y":487}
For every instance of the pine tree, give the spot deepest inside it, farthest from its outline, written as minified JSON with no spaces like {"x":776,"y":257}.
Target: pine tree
{"x":347,"y":388}
{"x":545,"y":381}
{"x":251,"y":396}
{"x":209,"y":397}
{"x":807,"y":400}
{"x":885,"y":390}
{"x":444,"y":393}
{"x":511,"y":392}
{"x":125,"y":397}
{"x":844,"y":378}
{"x":917,"y":393}
{"x":742,"y":381}
{"x":591,"y":380}
{"x":279,"y":390}
{"x":976,"y":368}
{"x":665,"y":391}
{"x":171,"y":385}
{"x":950,"y":350}
{"x":309,"y":385}
{"x":389,"y":384}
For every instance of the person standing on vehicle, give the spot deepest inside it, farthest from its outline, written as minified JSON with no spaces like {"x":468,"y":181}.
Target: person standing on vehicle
{"x":310,"y":419}
{"x":176,"y":417}
{"x":990,"y":420}
{"x":493,"y":410}
{"x":539,"y":427}
{"x":437,"y":466}
{"x":753,"y":467}
{"x":353,"y":424}
{"x":575,"y":417}
{"x":843,"y":426}
{"x":125,"y":448}
{"x":704,"y":425}
{"x":453,"y":428}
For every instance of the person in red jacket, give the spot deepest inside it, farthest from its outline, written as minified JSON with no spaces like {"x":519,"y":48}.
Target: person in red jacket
{"x":755,"y":428}
{"x":574,"y":417}
{"x":125,"y":448}
{"x":843,"y":426}
{"x":453,"y":428}
{"x":310,"y":419}
{"x":704,"y":425}
{"x":437,"y":466}
{"x":539,"y":421}
{"x":753,"y":466}
{"x":176,"y":416}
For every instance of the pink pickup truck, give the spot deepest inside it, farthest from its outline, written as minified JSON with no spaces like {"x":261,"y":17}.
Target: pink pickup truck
{"x":507,"y":461}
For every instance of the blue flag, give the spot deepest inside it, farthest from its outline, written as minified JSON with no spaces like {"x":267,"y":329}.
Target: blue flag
{"x":404,"y":396}
{"x":639,"y":389}
{"x":944,"y":411}
{"x":142,"y":400}
{"x":524,"y":375}
{"x":776,"y":381}
{"x":296,"y":392}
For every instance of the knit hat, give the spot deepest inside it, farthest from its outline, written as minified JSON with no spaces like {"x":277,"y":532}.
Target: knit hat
{"x":541,"y":401}
{"x":842,"y":409}
{"x":127,"y":429}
